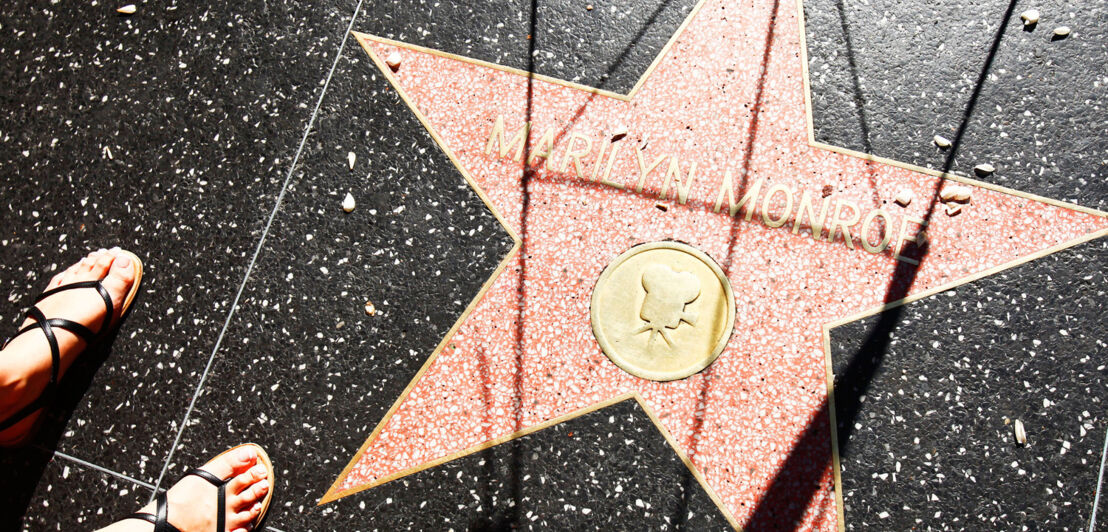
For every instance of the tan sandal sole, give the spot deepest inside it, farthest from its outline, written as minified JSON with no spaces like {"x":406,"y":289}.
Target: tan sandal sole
{"x":137,"y":262}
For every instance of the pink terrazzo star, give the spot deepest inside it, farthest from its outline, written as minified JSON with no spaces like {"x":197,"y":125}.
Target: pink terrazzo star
{"x":719,"y":98}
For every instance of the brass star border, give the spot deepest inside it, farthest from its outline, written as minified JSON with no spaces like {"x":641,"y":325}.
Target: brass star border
{"x":335,"y":493}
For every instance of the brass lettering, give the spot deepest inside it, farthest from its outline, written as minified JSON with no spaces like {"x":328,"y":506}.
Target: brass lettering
{"x":919,"y":238}
{"x":644,"y":169}
{"x":497,"y":135}
{"x":544,"y":148}
{"x":844,"y":223}
{"x":678,"y":184}
{"x":599,"y":161}
{"x":608,"y":171}
{"x":886,"y":232}
{"x":673,"y":176}
{"x":768,"y":201}
{"x":576,"y":155}
{"x":728,"y":188}
{"x":816,"y":222}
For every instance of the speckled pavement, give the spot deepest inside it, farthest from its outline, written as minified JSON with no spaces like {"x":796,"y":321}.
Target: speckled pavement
{"x":874,"y":373}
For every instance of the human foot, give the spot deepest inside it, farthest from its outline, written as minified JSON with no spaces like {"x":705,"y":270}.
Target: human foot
{"x":191,"y":504}
{"x":27,"y":367}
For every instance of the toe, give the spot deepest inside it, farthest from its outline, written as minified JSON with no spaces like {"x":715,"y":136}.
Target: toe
{"x":89,"y":261}
{"x":119,"y":280}
{"x":122,"y":271}
{"x":232,"y":463}
{"x":241,"y":520}
{"x":250,"y":496}
{"x":259,"y":490}
{"x":102,"y":264}
{"x":56,"y":281}
{"x":245,"y":479}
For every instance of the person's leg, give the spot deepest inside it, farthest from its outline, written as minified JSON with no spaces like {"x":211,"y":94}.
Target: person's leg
{"x":25,"y":363}
{"x":192,"y":501}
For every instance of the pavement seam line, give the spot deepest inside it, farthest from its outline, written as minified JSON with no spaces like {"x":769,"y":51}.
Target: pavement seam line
{"x":102,"y":469}
{"x":1099,"y":484}
{"x":258,"y":248}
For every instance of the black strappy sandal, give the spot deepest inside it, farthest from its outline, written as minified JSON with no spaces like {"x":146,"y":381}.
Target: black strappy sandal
{"x":47,"y":327}
{"x":160,"y":519}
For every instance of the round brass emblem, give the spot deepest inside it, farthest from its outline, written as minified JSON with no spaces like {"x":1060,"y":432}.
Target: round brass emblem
{"x":662,"y":311}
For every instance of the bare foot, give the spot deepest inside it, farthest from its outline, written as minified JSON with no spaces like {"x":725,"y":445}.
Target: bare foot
{"x":25,"y":363}
{"x":192,"y":501}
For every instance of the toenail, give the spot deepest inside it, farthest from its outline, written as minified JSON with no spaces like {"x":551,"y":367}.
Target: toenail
{"x":115,"y":249}
{"x":258,"y":471}
{"x":245,"y":454}
{"x":123,"y":262}
{"x":257,"y":507}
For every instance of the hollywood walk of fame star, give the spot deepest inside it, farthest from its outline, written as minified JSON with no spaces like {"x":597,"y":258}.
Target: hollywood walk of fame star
{"x":728,"y":95}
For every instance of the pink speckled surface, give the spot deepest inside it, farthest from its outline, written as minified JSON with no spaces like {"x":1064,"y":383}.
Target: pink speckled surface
{"x":526,"y":354}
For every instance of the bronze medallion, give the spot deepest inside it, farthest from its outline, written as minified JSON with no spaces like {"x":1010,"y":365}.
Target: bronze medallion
{"x":662,"y":311}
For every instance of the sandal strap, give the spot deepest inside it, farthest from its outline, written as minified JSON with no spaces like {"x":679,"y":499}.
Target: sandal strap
{"x":161,"y":520}
{"x":99,"y":286}
{"x":47,"y":326}
{"x":82,"y":332}
{"x":78,"y":329}
{"x":212,"y":479}
{"x":143,"y":516}
{"x":221,"y":497}
{"x":55,"y":359}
